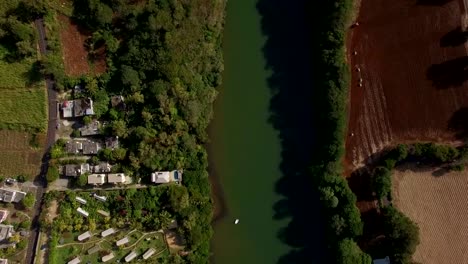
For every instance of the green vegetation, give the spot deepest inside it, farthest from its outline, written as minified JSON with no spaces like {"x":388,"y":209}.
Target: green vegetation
{"x":23,"y":109}
{"x":145,"y":210}
{"x":29,"y":200}
{"x":382,"y":182}
{"x":329,"y":98}
{"x":165,"y":58}
{"x":52,"y":173}
{"x":23,"y":100}
{"x":402,"y":235}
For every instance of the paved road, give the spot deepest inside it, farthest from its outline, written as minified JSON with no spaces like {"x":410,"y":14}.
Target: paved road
{"x":40,"y":181}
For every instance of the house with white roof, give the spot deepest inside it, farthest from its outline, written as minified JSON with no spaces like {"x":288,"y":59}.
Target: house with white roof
{"x":100,"y":198}
{"x":115,"y":178}
{"x":84,"y":236}
{"x":108,"y":232}
{"x":96,"y":179}
{"x":385,"y":260}
{"x":166,"y":176}
{"x":108,"y":257}
{"x":122,"y":241}
{"x":80,"y":200}
{"x":130,"y":256}
{"x":148,"y":253}
{"x":82,"y":212}
{"x":74,"y":261}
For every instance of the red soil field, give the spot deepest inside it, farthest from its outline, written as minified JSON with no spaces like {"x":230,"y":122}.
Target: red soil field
{"x":413,"y":62}
{"x":75,"y":56}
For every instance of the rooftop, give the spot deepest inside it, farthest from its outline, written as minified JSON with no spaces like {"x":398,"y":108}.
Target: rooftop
{"x":130,"y":256}
{"x":3,"y":215}
{"x":122,"y":241}
{"x":82,"y":212}
{"x":73,"y":146}
{"x":96,"y":179}
{"x":104,"y":213}
{"x":6,"y":231}
{"x":74,"y":170}
{"x":117,"y":101}
{"x":9,"y":195}
{"x":74,"y":261}
{"x":91,"y":147}
{"x":91,"y":129}
{"x":116,"y":178}
{"x":108,"y":232}
{"x":149,"y":253}
{"x":80,"y":200}
{"x":166,"y":176}
{"x":102,"y":167}
{"x":108,"y":257}
{"x":94,"y":249}
{"x":83,"y":107}
{"x":100,"y":198}
{"x":84,"y":236}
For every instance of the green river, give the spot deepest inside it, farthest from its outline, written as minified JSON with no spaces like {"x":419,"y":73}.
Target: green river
{"x":245,"y":149}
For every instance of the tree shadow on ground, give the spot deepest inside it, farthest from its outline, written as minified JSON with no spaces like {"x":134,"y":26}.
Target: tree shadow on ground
{"x":458,"y":123}
{"x":288,"y":54}
{"x":34,"y":75}
{"x":454,"y":38}
{"x":449,"y":74}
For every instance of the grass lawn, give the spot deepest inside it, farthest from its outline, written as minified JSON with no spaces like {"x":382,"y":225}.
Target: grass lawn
{"x":23,"y":109}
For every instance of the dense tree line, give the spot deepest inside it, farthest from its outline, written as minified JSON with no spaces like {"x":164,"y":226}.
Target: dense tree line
{"x":165,"y":58}
{"x":330,"y":91}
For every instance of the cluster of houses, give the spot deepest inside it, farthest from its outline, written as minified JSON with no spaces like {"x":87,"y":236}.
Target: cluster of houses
{"x":97,"y":175}
{"x":8,"y":195}
{"x":119,"y":243}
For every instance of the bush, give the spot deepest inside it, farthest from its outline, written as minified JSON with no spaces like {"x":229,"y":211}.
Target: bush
{"x":458,"y":167}
{"x":350,"y":253}
{"x":29,"y":200}
{"x":52,"y":173}
{"x":435,"y":152}
{"x":382,"y":182}
{"x":402,"y":235}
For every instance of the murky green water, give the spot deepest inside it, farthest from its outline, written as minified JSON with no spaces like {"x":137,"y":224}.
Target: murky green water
{"x":245,"y":149}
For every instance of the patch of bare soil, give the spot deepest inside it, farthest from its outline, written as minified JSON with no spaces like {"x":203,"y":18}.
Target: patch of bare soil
{"x":437,"y":203}
{"x":75,"y":55}
{"x":408,"y":61}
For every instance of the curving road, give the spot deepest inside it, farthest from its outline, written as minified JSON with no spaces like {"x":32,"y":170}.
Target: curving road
{"x":40,"y":181}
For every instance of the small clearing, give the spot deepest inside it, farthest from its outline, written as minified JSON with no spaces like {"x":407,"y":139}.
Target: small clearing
{"x":75,"y":55}
{"x":439,"y":206}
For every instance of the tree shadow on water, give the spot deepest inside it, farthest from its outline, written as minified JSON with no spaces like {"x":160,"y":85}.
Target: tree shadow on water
{"x":286,"y":25}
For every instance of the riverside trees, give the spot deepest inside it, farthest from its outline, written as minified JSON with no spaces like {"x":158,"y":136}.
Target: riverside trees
{"x":165,"y":58}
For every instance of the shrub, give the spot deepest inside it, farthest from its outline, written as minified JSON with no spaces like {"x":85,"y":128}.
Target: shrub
{"x":350,"y":253}
{"x":29,"y":200}
{"x":52,"y":173}
{"x":382,"y":182}
{"x":402,"y":235}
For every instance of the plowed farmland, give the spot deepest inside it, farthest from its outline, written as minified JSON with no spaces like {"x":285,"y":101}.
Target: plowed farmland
{"x":438,"y":205}
{"x":412,"y":58}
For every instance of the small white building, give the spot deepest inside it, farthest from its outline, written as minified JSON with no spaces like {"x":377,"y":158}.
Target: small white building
{"x":100,"y":198}
{"x":3,"y":261}
{"x":96,"y":179}
{"x":81,"y":200}
{"x":130,"y":256}
{"x":108,"y":257}
{"x":166,"y":176}
{"x":122,"y":241}
{"x":108,"y":232}
{"x":82,"y":212}
{"x":149,"y":253}
{"x":84,"y":236}
{"x":115,"y":178}
{"x":104,"y":213}
{"x":75,"y":261}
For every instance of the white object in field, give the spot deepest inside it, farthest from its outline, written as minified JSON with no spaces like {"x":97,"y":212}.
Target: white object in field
{"x":236,"y":221}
